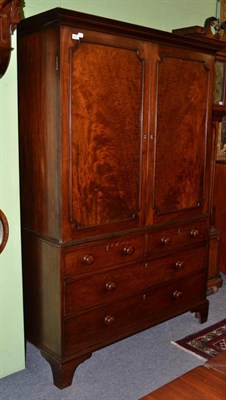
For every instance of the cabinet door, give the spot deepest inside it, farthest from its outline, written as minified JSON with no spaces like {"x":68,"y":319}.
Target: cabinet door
{"x":102,"y":107}
{"x":182,"y":146}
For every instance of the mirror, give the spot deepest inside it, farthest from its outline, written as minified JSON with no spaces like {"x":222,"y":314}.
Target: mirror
{"x":221,"y":139}
{"x":4,"y":230}
{"x":10,"y":16}
{"x":219,"y":83}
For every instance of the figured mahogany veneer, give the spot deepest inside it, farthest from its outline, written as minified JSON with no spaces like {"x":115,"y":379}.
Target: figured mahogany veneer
{"x":116,"y":181}
{"x":214,"y":31}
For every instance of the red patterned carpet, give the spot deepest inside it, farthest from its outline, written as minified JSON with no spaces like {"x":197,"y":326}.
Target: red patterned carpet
{"x":206,"y":343}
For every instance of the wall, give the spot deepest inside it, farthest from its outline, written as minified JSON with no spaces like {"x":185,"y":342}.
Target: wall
{"x":160,"y":14}
{"x":11,"y":311}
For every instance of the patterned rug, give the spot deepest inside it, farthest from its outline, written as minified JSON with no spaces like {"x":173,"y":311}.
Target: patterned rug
{"x":206,"y":343}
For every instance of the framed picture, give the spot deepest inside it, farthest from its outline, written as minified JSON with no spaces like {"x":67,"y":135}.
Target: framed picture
{"x":221,"y":140}
{"x":219,"y":83}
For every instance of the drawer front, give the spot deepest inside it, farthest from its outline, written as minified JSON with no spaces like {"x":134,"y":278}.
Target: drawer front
{"x":104,"y":325}
{"x":168,"y":239}
{"x":94,"y":257}
{"x":107,"y":287}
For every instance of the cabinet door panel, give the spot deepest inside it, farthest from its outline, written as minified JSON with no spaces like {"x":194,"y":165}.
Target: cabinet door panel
{"x":106,"y":84}
{"x":181,"y":132}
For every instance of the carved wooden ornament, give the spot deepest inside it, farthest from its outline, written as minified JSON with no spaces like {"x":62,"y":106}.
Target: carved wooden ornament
{"x":10,"y":16}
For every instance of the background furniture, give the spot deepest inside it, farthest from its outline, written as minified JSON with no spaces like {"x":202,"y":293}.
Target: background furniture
{"x":219,"y":117}
{"x":206,"y":382}
{"x":116,"y":161}
{"x":220,"y":196}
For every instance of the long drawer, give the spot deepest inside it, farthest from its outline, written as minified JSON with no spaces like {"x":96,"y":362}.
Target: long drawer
{"x":92,"y":257}
{"x":98,"y":289}
{"x":98,"y":326}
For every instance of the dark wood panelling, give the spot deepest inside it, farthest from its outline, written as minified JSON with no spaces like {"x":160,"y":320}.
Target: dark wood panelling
{"x":106,"y":106}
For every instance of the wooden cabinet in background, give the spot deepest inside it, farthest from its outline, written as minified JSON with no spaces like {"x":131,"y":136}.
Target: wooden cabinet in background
{"x":116,"y":164}
{"x":219,"y":123}
{"x":219,"y":201}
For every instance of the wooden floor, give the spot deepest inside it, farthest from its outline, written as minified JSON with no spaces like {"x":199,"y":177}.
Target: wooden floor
{"x":207,"y":382}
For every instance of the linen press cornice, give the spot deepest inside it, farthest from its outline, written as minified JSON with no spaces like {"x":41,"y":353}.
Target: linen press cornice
{"x":60,"y":16}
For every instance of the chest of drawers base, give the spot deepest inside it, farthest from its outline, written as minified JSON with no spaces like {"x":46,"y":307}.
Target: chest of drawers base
{"x":79,"y":307}
{"x":63,"y":370}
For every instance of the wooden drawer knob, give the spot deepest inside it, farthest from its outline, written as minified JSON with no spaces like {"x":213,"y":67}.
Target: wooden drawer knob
{"x":110,"y":286}
{"x":177,"y":294}
{"x":128,"y":250}
{"x":179,"y":264}
{"x":88,"y":259}
{"x":109,"y":320}
{"x":194,"y":233}
{"x":165,"y":241}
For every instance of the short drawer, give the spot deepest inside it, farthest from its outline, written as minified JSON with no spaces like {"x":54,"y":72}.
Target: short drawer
{"x":98,"y":289}
{"x":93,"y":257}
{"x":100,"y":326}
{"x":168,"y":239}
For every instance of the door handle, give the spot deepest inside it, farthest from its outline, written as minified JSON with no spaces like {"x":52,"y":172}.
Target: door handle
{"x":4,"y":230}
